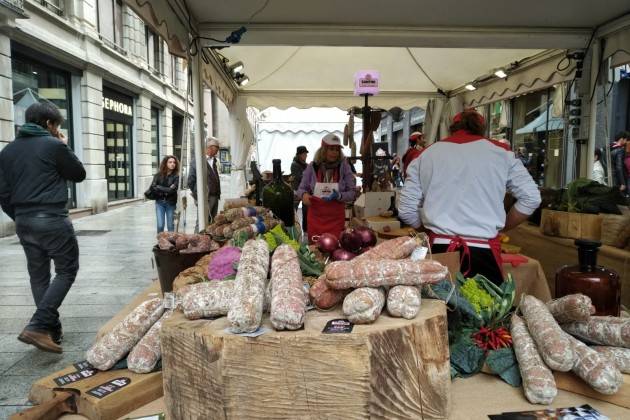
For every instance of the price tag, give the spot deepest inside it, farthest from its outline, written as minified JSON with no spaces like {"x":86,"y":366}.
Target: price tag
{"x":108,"y":388}
{"x":338,"y":326}
{"x":169,"y":300}
{"x":75,"y":376}
{"x":419,"y":253}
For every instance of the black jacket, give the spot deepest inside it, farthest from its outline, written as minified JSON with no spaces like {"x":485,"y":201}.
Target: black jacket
{"x":33,"y":175}
{"x":617,"y":156}
{"x":166,"y":187}
{"x":297,"y":169}
{"x":214,"y":182}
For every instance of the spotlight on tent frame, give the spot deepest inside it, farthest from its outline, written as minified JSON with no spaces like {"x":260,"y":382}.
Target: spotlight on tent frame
{"x":500,"y":73}
{"x":470,"y":87}
{"x":241,"y":79}
{"x":237,"y":68}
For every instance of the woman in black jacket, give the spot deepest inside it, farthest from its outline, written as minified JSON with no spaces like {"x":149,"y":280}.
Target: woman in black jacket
{"x":165,"y":184}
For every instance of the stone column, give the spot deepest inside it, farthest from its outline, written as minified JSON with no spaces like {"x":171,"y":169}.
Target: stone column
{"x":94,"y":188}
{"x":166,"y":129}
{"x":142,"y":144}
{"x":6,"y":116}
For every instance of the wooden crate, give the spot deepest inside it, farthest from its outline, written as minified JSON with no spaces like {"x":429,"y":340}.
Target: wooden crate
{"x":569,"y":382}
{"x":571,"y":225}
{"x":393,"y":368}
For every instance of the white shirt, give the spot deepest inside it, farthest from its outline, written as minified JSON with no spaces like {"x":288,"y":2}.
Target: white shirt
{"x":598,"y":172}
{"x":457,"y":188}
{"x":210,"y":160}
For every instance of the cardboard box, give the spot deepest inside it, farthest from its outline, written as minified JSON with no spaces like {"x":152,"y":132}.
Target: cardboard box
{"x":377,"y":223}
{"x":372,"y":203}
{"x":571,"y":225}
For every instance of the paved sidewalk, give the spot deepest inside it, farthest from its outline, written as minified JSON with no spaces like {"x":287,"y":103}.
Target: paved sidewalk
{"x":115,"y":264}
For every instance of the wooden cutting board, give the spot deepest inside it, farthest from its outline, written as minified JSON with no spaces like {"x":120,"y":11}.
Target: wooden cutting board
{"x":569,"y":382}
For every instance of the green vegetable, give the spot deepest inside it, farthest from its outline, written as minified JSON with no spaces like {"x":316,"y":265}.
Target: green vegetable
{"x":477,"y":296}
{"x":503,"y":363}
{"x":282,"y":237}
{"x":271,"y":241}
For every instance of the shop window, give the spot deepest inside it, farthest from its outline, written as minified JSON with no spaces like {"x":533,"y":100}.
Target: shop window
{"x":154,"y":51}
{"x":538,"y":138}
{"x":110,"y":21}
{"x":155,"y":140}
{"x":55,"y":6}
{"x":497,"y":121}
{"x":36,"y":82}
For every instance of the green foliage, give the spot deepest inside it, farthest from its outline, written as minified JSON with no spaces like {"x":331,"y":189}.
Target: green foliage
{"x":476,"y":296}
{"x":503,"y":363}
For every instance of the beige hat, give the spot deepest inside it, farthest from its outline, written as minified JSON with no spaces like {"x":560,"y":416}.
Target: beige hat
{"x":331,"y":140}
{"x":211,"y":141}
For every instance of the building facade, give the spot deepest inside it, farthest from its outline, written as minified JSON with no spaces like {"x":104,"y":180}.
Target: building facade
{"x":122,"y":94}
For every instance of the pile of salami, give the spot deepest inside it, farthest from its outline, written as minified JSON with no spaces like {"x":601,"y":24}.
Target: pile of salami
{"x":137,"y":336}
{"x":384,"y":275}
{"x":554,"y":336}
{"x":185,"y":243}
{"x":241,"y":221}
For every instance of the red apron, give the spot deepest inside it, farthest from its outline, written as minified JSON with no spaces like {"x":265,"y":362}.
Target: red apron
{"x":459,"y":243}
{"x":325,"y":217}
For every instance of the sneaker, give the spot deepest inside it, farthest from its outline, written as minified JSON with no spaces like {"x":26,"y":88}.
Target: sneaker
{"x":40,"y":339}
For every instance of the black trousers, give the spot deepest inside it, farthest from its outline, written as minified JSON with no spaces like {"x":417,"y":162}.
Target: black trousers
{"x":45,"y":239}
{"x":481,"y":262}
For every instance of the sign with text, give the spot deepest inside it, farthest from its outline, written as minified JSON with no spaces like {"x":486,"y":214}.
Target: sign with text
{"x":366,"y":82}
{"x":116,"y":106}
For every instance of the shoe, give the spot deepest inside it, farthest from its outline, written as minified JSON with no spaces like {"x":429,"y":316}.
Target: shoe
{"x":41,"y":340}
{"x":57,"y":336}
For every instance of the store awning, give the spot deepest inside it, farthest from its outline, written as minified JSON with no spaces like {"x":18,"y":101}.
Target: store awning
{"x":540,"y":124}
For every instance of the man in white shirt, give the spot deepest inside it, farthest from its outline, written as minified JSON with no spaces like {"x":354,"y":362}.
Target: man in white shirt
{"x":455,"y":189}
{"x":214,"y":182}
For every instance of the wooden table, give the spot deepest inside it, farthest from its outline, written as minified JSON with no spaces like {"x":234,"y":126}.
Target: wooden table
{"x":393,"y":368}
{"x":530,"y":279}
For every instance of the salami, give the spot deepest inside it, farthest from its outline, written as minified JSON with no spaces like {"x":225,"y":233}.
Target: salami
{"x":618,"y":355}
{"x":403,"y":301}
{"x":538,"y":382}
{"x":114,"y":345}
{"x":577,"y":307}
{"x":394,"y":249}
{"x":322,"y":296}
{"x":552,"y":343}
{"x":147,"y":353}
{"x":245,"y":313}
{"x":288,"y":305}
{"x":595,"y":369}
{"x":602,"y":330}
{"x":377,"y":273}
{"x":208,"y":299}
{"x":364,"y":305}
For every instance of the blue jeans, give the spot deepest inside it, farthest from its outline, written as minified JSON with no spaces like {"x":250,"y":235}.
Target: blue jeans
{"x":165,"y":209}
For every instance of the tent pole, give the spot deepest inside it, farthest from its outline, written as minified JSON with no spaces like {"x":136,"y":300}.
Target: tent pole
{"x":200,"y":149}
{"x":592,"y":126}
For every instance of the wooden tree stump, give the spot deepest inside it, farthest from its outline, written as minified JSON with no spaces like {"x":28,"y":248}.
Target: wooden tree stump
{"x":392,"y":369}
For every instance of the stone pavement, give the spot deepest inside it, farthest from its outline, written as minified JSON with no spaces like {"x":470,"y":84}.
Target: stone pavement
{"x":115,"y":264}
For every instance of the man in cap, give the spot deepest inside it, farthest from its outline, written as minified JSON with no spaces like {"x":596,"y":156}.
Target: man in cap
{"x":416,"y":144}
{"x":297,"y":169}
{"x":455,"y":190}
{"x":214,"y":182}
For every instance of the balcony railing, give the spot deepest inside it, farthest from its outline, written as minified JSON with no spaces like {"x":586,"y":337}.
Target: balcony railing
{"x":15,"y":6}
{"x":55,"y":6}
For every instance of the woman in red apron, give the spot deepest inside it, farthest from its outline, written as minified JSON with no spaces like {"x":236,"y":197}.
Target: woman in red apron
{"x":327,"y":184}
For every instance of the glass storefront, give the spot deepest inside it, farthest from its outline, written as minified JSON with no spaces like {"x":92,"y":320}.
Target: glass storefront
{"x":34,"y":81}
{"x":118,"y":120}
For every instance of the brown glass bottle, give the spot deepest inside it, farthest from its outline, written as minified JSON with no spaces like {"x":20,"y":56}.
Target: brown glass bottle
{"x":600,"y":284}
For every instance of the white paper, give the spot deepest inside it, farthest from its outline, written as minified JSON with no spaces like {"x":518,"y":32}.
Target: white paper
{"x":324,"y":189}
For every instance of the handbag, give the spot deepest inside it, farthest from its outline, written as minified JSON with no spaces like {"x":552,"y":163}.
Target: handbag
{"x":151,"y":193}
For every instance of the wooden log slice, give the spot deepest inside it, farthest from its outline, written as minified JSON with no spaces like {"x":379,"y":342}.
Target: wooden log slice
{"x":394,"y":368}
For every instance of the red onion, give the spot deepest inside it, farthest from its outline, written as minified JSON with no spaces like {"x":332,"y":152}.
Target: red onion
{"x":342,"y":255}
{"x":367,"y":235}
{"x":326,"y":242}
{"x":350,"y":240}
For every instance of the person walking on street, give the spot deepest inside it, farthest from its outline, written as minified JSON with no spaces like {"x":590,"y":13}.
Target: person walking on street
{"x":34,"y":170}
{"x":165,"y":184}
{"x":617,"y":157}
{"x":297,"y":169}
{"x":213,"y":180}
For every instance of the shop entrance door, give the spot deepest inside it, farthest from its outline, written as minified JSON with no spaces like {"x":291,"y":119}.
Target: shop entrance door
{"x":118,"y":160}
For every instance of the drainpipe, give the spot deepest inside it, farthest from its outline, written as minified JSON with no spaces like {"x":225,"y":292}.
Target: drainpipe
{"x":592,"y":126}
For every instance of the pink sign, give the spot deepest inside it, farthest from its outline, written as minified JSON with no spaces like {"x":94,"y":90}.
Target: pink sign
{"x":366,"y":82}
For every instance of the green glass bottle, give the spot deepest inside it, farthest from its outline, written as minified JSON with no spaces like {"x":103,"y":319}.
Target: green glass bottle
{"x":278,"y":196}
